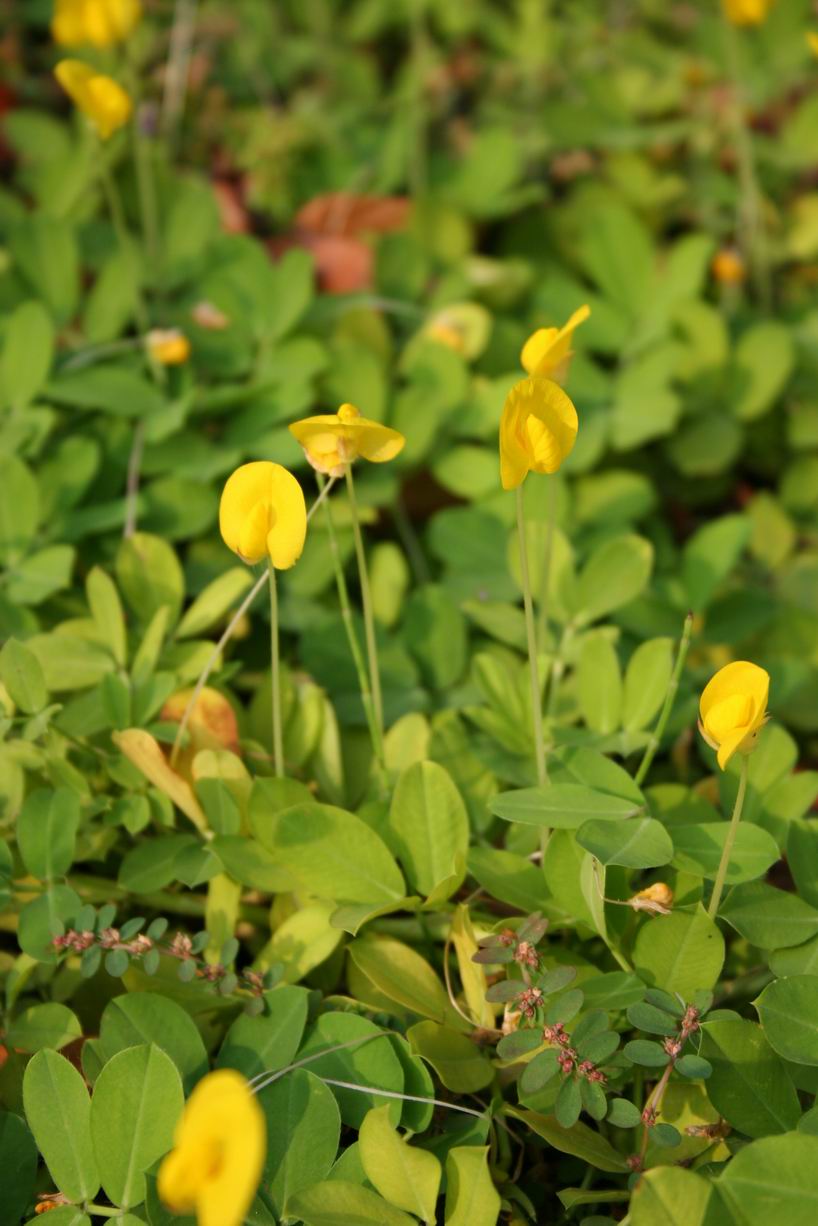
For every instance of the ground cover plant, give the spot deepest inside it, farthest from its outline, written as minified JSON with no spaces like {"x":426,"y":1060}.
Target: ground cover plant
{"x":409,"y":612}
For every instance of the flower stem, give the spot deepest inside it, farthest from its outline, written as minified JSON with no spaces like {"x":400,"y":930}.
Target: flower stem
{"x":673,"y":685}
{"x":349,"y":626}
{"x":724,"y":863}
{"x":536,"y":694}
{"x":366,"y":602}
{"x":275,"y":661}
{"x":545,"y":578}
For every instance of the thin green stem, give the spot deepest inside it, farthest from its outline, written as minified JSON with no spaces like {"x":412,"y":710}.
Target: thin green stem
{"x":366,"y":603}
{"x":352,"y":638}
{"x":670,"y":697}
{"x":750,"y":210}
{"x":545,"y":577}
{"x":275,"y":662}
{"x":533,"y":667}
{"x":724,"y":862}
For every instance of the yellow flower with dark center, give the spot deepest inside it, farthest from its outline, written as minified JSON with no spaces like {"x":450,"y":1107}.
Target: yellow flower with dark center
{"x":548,"y":350}
{"x":747,"y":12}
{"x":538,"y":429}
{"x":262,"y":514}
{"x":331,"y":441}
{"x":733,"y":709}
{"x":99,"y":23}
{"x":168,"y":346}
{"x":218,"y":1152}
{"x":101,"y":98}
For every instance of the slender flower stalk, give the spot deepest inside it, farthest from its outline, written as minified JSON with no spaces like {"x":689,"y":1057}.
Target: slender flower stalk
{"x":275,"y":659}
{"x":366,"y":604}
{"x":724,"y":863}
{"x":536,"y":693}
{"x":352,"y":638}
{"x":548,"y":553}
{"x":673,"y":685}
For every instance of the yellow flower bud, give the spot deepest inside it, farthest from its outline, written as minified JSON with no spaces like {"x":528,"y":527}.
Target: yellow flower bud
{"x":100,"y":23}
{"x":262,"y":514}
{"x":747,"y":12}
{"x":101,"y":98}
{"x":733,"y":709}
{"x":656,"y":898}
{"x":333,"y":440}
{"x":218,"y":1152}
{"x":728,"y":267}
{"x":168,"y":346}
{"x":548,"y":350}
{"x":538,"y":429}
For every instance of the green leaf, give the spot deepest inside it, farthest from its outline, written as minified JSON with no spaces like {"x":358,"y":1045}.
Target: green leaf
{"x":682,"y":952}
{"x":22,"y":675}
{"x":646,"y":681}
{"x":698,"y":849}
{"x":303,"y":1130}
{"x":431,"y":827}
{"x":710,"y":555}
{"x":580,"y":1141}
{"x":774,"y":1175}
{"x":19,"y":509}
{"x":106,"y":610}
{"x":623,"y":1114}
{"x":146,"y":1017}
{"x":788,"y":1009}
{"x":150,"y":576}
{"x":672,"y":1196}
{"x":214,"y":602}
{"x":58,"y":1113}
{"x":614,"y":575}
{"x":44,"y":917}
{"x":563,"y":806}
{"x":112,"y":389}
{"x":749,"y":1085}
{"x":18,"y":1167}
{"x":405,"y":1175}
{"x":616,"y":251}
{"x":267,"y":1042}
{"x":45,"y":249}
{"x":471,"y":1197}
{"x":599,"y":683}
{"x":764,"y":359}
{"x":404,"y":976}
{"x":28,"y":349}
{"x":41,"y":574}
{"x":640,"y":843}
{"x":371,"y":1061}
{"x":51,"y":1025}
{"x":137,"y":1101}
{"x":333,"y":854}
{"x":767,"y":917}
{"x":338,"y":1203}
{"x":47,"y":831}
{"x":435,"y":632}
{"x":456,"y":1060}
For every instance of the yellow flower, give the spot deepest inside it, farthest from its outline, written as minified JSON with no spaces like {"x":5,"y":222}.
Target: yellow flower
{"x":548,"y":350}
{"x":733,"y":708}
{"x":538,"y":429}
{"x":218,"y":1152}
{"x":812,"y":41}
{"x":262,"y":514}
{"x":99,"y":97}
{"x":168,"y":346}
{"x":333,"y":440}
{"x":747,"y":12}
{"x":656,"y":898}
{"x":98,"y":22}
{"x":728,"y":267}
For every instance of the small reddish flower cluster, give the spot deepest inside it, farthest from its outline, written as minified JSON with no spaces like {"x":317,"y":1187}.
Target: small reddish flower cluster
{"x":568,"y":1058}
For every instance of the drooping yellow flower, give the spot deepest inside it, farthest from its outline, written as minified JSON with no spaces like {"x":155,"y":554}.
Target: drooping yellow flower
{"x":99,"y":23}
{"x":538,"y":429}
{"x":218,"y":1152}
{"x":733,"y":709}
{"x":548,"y":350}
{"x":262,"y":514}
{"x":747,"y":12}
{"x":656,"y":898}
{"x":812,"y":41}
{"x":101,"y":98}
{"x":168,"y":346}
{"x":333,"y":440}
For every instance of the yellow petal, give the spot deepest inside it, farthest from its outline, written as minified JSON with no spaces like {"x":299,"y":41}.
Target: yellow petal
{"x":740,"y":677}
{"x":331,"y":440}
{"x":262,"y":513}
{"x":254,"y":530}
{"x":536,"y":349}
{"x":726,"y":716}
{"x":729,"y":746}
{"x":285,"y":540}
{"x":376,"y":442}
{"x":540,"y":421}
{"x":546,"y":351}
{"x":99,"y":97}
